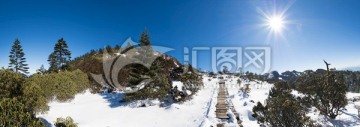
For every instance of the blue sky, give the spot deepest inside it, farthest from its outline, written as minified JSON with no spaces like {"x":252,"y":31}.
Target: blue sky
{"x":314,"y":29}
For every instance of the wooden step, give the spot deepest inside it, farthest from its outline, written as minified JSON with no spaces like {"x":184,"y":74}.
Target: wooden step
{"x":222,"y":110}
{"x":221,"y":102}
{"x":222,"y":99}
{"x":222,"y":116}
{"x":220,"y":125}
{"x":221,"y":107}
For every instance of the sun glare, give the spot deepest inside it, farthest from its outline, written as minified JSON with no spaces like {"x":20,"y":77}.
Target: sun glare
{"x":276,"y":23}
{"x":274,"y":20}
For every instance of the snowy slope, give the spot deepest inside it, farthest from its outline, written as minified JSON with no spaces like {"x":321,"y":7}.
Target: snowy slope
{"x":103,"y":110}
{"x":259,"y":92}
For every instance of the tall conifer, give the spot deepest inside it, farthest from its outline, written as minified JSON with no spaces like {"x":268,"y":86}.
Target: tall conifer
{"x":17,"y":58}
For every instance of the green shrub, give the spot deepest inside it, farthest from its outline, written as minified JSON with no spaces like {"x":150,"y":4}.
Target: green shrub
{"x":10,"y":84}
{"x":67,"y":122}
{"x":192,"y":81}
{"x":157,"y":89}
{"x":62,"y":86}
{"x":14,"y":114}
{"x":34,"y":96}
{"x":326,"y":91}
{"x":282,"y":109}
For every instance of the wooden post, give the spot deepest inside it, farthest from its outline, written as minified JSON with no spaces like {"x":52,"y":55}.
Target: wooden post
{"x":327,"y":65}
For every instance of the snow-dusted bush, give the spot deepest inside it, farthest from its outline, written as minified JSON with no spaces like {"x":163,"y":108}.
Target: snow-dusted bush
{"x":245,"y":90}
{"x":282,"y":109}
{"x":325,"y":90}
{"x":67,"y":122}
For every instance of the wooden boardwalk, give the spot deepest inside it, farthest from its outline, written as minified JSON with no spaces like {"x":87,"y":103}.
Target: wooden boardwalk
{"x":223,"y":106}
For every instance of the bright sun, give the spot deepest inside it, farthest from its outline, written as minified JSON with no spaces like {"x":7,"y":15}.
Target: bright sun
{"x":276,"y":23}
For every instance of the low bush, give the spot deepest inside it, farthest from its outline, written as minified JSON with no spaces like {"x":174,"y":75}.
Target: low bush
{"x":13,"y":113}
{"x":10,"y":84}
{"x":62,"y":86}
{"x":67,"y":122}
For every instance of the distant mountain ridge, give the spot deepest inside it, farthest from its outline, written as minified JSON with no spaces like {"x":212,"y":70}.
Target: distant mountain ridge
{"x":352,"y":78}
{"x":354,"y":68}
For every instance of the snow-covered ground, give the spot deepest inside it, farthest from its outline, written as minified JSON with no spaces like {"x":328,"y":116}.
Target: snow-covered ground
{"x":104,"y":110}
{"x":244,"y":104}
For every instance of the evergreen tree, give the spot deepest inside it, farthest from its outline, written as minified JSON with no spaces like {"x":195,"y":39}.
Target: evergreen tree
{"x":92,"y":52}
{"x":333,"y":97}
{"x":225,"y":70}
{"x":117,"y":47}
{"x":17,"y":59}
{"x":41,"y":70}
{"x":60,"y":57}
{"x":282,"y":109}
{"x":324,"y":90}
{"x":53,"y":63}
{"x":108,"y":48}
{"x":101,"y":50}
{"x":146,"y":53}
{"x":145,"y":38}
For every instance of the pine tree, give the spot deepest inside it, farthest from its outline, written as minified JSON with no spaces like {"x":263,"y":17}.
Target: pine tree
{"x":41,"y":70}
{"x":327,"y":93}
{"x":117,"y":47}
{"x":146,"y":53}
{"x":17,"y":59}
{"x":333,"y":97}
{"x":282,"y":109}
{"x":101,"y":50}
{"x":145,"y":38}
{"x":53,"y":63}
{"x":225,"y":70}
{"x":108,"y":48}
{"x":324,"y":90}
{"x":60,"y":57}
